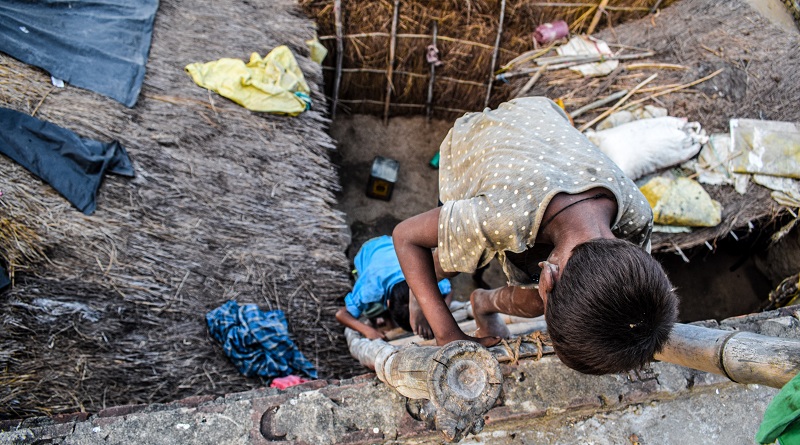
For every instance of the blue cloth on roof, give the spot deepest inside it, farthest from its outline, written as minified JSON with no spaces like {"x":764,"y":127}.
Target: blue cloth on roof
{"x":378,"y":271}
{"x":102,"y":46}
{"x":257,"y":342}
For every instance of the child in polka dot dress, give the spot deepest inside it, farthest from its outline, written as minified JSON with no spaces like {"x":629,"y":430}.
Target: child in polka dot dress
{"x":571,"y":232}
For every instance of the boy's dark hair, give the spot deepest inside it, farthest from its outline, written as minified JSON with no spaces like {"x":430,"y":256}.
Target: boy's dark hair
{"x":398,"y":305}
{"x":612,"y":308}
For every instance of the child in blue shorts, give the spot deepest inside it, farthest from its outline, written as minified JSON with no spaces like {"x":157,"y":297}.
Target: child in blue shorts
{"x":381,"y":286}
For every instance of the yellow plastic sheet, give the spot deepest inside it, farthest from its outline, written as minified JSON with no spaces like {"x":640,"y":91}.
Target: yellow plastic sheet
{"x":273,"y":84}
{"x":681,"y":202}
{"x":766,"y":147}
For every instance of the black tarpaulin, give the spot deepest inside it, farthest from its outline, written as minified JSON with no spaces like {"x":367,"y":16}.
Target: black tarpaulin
{"x":72,"y":165}
{"x":100,"y":45}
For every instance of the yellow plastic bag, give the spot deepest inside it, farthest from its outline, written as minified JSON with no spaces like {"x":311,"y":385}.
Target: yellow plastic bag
{"x":681,"y":202}
{"x":273,"y":84}
{"x":317,"y":50}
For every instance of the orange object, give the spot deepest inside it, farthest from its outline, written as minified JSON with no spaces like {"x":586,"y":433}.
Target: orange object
{"x":560,"y":103}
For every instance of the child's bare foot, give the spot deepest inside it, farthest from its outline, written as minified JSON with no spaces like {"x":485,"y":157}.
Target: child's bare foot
{"x":489,"y":322}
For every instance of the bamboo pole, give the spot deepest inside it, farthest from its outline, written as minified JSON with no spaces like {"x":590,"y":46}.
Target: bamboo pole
{"x":673,"y":89}
{"x":392,"y":48}
{"x":402,"y":105}
{"x":417,"y":36}
{"x":598,"y":103}
{"x":618,"y":104}
{"x":429,"y":103}
{"x":337,"y":77}
{"x":596,"y":18}
{"x":743,"y":357}
{"x":530,"y":83}
{"x":494,"y":52}
{"x":409,"y":74}
{"x":462,"y":380}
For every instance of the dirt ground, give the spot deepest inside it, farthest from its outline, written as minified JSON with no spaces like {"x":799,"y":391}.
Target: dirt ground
{"x":712,"y":285}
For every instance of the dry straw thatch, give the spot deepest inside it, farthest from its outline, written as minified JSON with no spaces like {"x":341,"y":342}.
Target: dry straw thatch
{"x":466,"y":37}
{"x":755,"y":57}
{"x":109,"y":309}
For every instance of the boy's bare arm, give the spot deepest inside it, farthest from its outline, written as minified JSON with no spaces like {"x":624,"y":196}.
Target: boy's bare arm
{"x":344,"y":317}
{"x":413,"y":240}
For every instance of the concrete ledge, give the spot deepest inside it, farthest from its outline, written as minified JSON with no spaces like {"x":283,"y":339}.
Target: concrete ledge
{"x":364,"y":411}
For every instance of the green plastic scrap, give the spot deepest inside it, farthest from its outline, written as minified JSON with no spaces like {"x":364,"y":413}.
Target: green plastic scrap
{"x":782,"y":418}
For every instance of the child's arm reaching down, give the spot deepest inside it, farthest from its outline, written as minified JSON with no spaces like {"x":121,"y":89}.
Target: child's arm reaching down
{"x":345,"y":318}
{"x":413,"y":240}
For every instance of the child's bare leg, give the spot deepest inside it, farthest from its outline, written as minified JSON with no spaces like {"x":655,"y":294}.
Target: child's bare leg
{"x":510,"y":300}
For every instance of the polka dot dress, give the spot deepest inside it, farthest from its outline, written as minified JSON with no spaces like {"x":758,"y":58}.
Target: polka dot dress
{"x":498,"y":171}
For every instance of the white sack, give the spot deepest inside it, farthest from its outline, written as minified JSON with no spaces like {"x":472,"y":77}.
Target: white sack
{"x":647,"y":145}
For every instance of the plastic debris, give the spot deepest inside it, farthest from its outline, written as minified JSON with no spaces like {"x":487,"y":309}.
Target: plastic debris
{"x":712,"y":162}
{"x":648,"y":145}
{"x":285,"y":382}
{"x":550,"y":32}
{"x":768,"y":147}
{"x":586,"y":46}
{"x":317,"y":50}
{"x":681,"y":202}
{"x":432,"y":56}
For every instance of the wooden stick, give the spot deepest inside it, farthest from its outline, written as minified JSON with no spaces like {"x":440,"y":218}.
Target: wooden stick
{"x":663,"y":66}
{"x":672,"y":90}
{"x":409,"y":74}
{"x":598,"y":103}
{"x":526,"y":56}
{"x":618,"y":104}
{"x":402,"y":105}
{"x":429,"y":103}
{"x":494,"y":52}
{"x":561,"y":62}
{"x":596,"y":18}
{"x":557,"y":61}
{"x":33,"y":113}
{"x":418,"y":36}
{"x":516,"y":326}
{"x":531,"y":82}
{"x":337,"y":77}
{"x":392,"y":48}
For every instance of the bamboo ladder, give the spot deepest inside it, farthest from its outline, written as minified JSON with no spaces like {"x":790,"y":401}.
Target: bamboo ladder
{"x":462,"y":380}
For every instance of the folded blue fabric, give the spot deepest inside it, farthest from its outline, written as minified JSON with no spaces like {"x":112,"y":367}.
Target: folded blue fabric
{"x":74,"y":166}
{"x":257,"y":342}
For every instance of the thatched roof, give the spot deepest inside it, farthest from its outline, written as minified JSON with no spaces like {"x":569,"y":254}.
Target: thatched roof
{"x":109,"y":309}
{"x":466,"y":38}
{"x":756,"y":57}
